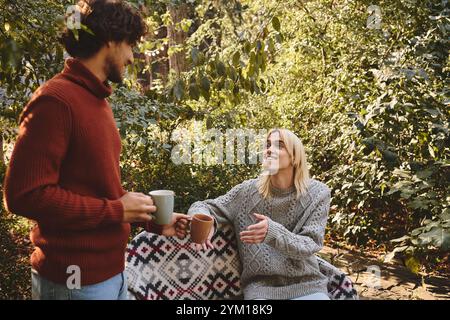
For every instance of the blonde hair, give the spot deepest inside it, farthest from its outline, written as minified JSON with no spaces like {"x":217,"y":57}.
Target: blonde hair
{"x":296,"y":151}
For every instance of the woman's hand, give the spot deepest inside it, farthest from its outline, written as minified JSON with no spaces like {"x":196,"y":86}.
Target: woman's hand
{"x":207,"y":244}
{"x":178,"y":227}
{"x":256,"y":233}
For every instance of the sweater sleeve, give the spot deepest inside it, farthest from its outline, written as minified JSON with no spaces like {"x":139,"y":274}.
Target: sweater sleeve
{"x":309,"y":239}
{"x":31,"y":182}
{"x":223,"y":208}
{"x":150,"y":226}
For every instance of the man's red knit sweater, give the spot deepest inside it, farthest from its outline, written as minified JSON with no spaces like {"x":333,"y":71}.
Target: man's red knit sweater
{"x":64,"y":173}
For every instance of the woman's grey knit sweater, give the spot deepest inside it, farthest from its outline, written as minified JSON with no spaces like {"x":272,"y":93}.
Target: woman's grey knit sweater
{"x":283,"y":266}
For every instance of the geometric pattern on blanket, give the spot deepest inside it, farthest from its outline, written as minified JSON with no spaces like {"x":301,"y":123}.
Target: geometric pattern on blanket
{"x":340,"y":286}
{"x":168,"y":268}
{"x":160,"y":268}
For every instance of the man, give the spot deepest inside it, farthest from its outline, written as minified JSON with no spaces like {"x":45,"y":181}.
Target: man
{"x":64,"y":171}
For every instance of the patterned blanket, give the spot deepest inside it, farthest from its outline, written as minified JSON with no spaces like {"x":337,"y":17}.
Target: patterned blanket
{"x":160,"y":268}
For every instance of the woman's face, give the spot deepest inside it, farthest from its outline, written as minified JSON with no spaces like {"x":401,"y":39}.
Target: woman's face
{"x":276,"y":157}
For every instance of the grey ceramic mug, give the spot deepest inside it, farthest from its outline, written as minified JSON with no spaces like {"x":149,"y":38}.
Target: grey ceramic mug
{"x":164,"y":202}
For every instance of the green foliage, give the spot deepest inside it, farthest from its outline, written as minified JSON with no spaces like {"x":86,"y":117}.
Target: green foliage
{"x":370,"y":104}
{"x":15,"y":272}
{"x":226,"y":55}
{"x":29,"y":55}
{"x":146,"y":127}
{"x":29,"y":48}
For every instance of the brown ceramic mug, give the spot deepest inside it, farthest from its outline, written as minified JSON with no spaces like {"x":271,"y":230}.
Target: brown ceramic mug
{"x":201,"y":227}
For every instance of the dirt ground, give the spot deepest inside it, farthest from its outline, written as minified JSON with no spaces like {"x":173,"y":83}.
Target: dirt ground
{"x":376,"y":280}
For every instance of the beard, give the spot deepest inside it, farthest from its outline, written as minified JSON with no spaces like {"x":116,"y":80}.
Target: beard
{"x":113,"y":71}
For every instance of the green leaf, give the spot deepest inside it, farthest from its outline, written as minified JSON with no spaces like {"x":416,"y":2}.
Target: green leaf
{"x":186,"y":24}
{"x":194,"y":92}
{"x":221,"y":70}
{"x":431,"y":150}
{"x":433,"y":112}
{"x":86,"y":29}
{"x":413,"y":264}
{"x":178,"y":89}
{"x":258,"y":46}
{"x":205,"y":83}
{"x":229,"y":85}
{"x":262,"y":85}
{"x":416,"y":232}
{"x":389,"y":156}
{"x":236,"y":59}
{"x":166,"y":18}
{"x":205,"y":94}
{"x":247,"y":47}
{"x":195,"y":55}
{"x":75,"y":34}
{"x":276,"y":24}
{"x":424,"y":174}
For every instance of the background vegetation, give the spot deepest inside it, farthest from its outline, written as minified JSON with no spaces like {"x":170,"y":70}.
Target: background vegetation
{"x":365,"y":87}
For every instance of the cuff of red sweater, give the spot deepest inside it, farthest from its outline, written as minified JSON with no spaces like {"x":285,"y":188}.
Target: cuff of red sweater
{"x":117,"y":211}
{"x":153,"y":227}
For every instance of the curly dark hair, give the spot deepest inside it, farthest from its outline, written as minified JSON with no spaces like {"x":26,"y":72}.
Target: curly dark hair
{"x":108,"y":20}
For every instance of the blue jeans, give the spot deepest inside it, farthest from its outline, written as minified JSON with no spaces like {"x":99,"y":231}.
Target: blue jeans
{"x":313,"y":296}
{"x":114,"y":288}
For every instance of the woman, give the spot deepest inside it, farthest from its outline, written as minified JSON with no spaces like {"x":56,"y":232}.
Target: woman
{"x":280,"y":218}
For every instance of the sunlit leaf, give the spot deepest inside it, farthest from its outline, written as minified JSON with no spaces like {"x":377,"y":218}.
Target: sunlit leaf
{"x":276,"y":23}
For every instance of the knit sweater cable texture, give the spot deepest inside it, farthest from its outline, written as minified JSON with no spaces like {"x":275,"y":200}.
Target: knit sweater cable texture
{"x":283,"y":266}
